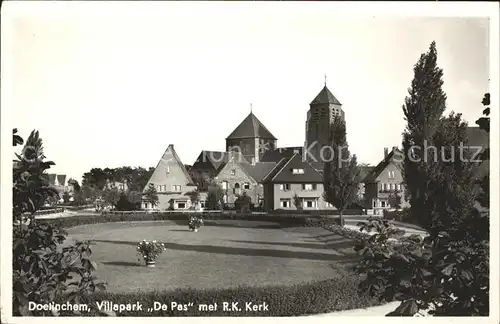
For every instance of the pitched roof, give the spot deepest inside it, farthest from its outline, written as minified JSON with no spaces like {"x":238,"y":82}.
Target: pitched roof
{"x":478,"y":137}
{"x":325,"y":96}
{"x":182,"y":166}
{"x":364,"y":171}
{"x":52,"y":178}
{"x":61,"y":179}
{"x":283,"y":172}
{"x":214,"y":158}
{"x":282,"y":152}
{"x":375,"y":172}
{"x":251,"y":127}
{"x":259,"y":170}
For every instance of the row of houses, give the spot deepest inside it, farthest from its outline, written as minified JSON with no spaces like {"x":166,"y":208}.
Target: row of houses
{"x":272,"y":176}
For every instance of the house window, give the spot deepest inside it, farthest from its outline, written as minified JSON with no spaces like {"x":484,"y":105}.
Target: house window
{"x":233,"y":171}
{"x":159,"y":188}
{"x":181,"y":205}
{"x":284,"y":186}
{"x":285,"y":203}
{"x":307,"y":186}
{"x":391,"y":186}
{"x":298,"y":171}
{"x":310,"y":203}
{"x":146,"y":205}
{"x":236,"y":188}
{"x":122,"y":187}
{"x":224,"y":185}
{"x":246,"y":186}
{"x":383,"y":203}
{"x":176,"y":188}
{"x":398,"y":187}
{"x":374,"y":203}
{"x":167,"y":170}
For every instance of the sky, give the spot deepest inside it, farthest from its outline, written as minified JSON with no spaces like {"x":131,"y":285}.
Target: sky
{"x":115,"y":86}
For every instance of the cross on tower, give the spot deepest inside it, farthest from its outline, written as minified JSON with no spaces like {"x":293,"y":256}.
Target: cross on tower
{"x":325,"y":79}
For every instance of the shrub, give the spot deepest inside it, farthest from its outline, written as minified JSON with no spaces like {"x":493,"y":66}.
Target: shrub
{"x":242,"y":203}
{"x":301,"y":299}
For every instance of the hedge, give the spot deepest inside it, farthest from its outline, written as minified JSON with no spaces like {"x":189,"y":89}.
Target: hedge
{"x":129,"y":216}
{"x":300,"y":299}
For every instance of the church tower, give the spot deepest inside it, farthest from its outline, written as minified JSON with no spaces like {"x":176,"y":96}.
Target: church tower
{"x":322,"y":112}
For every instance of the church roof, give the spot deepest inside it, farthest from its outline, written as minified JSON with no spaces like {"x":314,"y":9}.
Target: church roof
{"x":251,"y":127}
{"x":325,"y":96}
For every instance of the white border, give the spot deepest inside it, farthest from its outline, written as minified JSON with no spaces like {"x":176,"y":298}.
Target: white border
{"x":11,"y":10}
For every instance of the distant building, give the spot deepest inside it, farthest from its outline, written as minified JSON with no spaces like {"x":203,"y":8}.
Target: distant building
{"x":121,"y":186}
{"x":293,"y":176}
{"x":322,"y":112}
{"x":59,"y":182}
{"x":251,"y":138}
{"x":172,"y":182}
{"x":384,"y":182}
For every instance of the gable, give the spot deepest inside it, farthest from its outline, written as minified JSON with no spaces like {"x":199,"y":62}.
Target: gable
{"x":240,"y":171}
{"x":285,"y":173}
{"x":170,"y":171}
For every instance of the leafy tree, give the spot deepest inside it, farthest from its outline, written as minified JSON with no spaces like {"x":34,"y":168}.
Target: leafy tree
{"x":202,"y":182}
{"x":96,"y":178}
{"x":215,"y":197}
{"x":341,"y":174}
{"x":297,"y":202}
{"x":448,"y":270}
{"x":151,"y":195}
{"x":42,"y":271}
{"x":66,"y":197}
{"x":394,"y":199}
{"x":242,"y":203}
{"x":111,"y":196}
{"x":194,"y":196}
{"x":76,"y":186}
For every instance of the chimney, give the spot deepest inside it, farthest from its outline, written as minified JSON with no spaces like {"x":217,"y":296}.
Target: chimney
{"x":386,"y":152}
{"x":394,"y":148}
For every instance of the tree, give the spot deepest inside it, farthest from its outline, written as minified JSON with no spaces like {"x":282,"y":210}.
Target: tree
{"x":297,"y":201}
{"x":242,"y":203}
{"x":394,"y":199}
{"x":448,"y":270}
{"x":111,"y":196}
{"x":66,"y":197}
{"x":202,"y":182}
{"x":215,"y":197}
{"x":194,"y":196}
{"x":151,"y":195}
{"x":76,"y":186}
{"x":40,"y":268}
{"x":341,"y":172}
{"x":96,"y":178}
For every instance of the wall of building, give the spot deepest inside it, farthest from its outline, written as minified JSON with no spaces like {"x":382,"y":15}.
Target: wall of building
{"x":274,"y":196}
{"x":318,"y":123}
{"x":239,"y":177}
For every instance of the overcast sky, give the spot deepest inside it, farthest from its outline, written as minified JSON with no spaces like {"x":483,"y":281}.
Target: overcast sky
{"x":109,"y":88}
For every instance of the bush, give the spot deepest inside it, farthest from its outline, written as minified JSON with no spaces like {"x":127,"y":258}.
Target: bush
{"x":302,"y":299}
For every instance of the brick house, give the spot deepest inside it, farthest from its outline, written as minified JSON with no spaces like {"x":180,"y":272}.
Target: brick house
{"x":292,"y":176}
{"x":251,"y":138}
{"x":238,"y":176}
{"x":172,"y":182}
{"x":385,"y":181}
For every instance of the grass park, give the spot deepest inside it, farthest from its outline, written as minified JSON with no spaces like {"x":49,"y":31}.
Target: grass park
{"x":297,"y":270}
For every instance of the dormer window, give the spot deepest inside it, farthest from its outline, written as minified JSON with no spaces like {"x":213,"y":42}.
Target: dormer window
{"x":233,"y":171}
{"x":298,"y":171}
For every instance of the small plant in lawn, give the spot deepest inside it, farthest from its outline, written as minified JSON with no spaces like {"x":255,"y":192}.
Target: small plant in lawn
{"x":149,"y":251}
{"x":195,"y":223}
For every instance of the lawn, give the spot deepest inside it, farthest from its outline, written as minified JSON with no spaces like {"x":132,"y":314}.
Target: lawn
{"x":222,"y":254}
